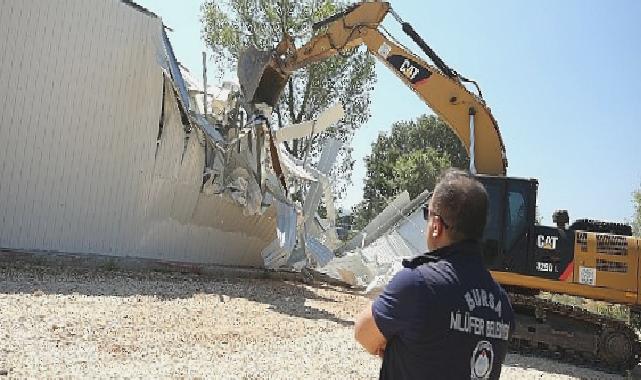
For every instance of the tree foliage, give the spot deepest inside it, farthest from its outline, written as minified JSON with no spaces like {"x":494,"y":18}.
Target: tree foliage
{"x":419,"y":170}
{"x":231,"y":25}
{"x":410,"y":158}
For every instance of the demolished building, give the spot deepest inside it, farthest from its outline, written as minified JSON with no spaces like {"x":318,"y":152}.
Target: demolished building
{"x":108,"y":148}
{"x":100,"y":150}
{"x":105,"y":149}
{"x":375,"y":254}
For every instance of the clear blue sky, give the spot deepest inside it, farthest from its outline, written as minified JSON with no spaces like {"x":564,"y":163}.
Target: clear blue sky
{"x":563,"y":79}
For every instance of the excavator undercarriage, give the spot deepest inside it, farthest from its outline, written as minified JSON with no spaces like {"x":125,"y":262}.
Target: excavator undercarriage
{"x":571,"y":333}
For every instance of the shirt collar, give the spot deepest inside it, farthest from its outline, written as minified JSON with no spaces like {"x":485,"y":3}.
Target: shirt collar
{"x":465,"y":247}
{"x":470,"y":248}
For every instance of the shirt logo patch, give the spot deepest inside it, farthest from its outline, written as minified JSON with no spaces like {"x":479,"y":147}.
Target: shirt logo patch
{"x":482,"y":360}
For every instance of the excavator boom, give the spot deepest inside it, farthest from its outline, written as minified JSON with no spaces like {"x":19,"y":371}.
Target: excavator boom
{"x":441,"y":89}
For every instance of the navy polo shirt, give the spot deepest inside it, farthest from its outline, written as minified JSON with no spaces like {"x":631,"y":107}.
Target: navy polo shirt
{"x":444,"y":319}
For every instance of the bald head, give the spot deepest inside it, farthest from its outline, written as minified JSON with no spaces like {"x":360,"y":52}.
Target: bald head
{"x":462,"y":201}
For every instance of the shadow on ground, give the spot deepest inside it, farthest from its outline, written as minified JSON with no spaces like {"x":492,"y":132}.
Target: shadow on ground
{"x":549,"y":365}
{"x":282,"y":296}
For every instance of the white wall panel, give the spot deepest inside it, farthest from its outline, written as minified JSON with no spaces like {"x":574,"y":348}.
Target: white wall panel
{"x":81,"y":93}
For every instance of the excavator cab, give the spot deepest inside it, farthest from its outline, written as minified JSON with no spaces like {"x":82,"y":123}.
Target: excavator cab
{"x":508,"y":236}
{"x":513,"y":242}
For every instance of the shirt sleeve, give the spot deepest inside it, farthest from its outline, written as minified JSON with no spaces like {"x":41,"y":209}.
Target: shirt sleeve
{"x":399,"y":304}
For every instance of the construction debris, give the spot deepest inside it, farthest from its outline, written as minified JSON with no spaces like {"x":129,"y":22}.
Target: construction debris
{"x":374,"y":255}
{"x":304,"y":239}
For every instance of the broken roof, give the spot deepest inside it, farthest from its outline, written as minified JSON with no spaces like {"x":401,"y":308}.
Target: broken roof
{"x":139,"y":8}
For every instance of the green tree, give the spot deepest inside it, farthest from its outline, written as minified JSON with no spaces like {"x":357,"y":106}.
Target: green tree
{"x":636,"y":221}
{"x":410,"y":158}
{"x":419,"y":170}
{"x":231,"y":25}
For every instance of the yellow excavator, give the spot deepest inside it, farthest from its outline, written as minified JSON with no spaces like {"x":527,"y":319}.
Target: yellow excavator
{"x":590,"y":259}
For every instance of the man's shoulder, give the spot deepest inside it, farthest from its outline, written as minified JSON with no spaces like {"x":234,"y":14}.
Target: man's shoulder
{"x":429,"y":274}
{"x":403,"y":297}
{"x":437,"y":273}
{"x":407,"y":278}
{"x":410,"y":285}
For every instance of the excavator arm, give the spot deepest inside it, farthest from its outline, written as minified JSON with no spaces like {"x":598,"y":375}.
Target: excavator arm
{"x":439,"y":87}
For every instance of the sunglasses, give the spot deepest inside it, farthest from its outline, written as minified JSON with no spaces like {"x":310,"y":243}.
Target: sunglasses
{"x":427,"y":212}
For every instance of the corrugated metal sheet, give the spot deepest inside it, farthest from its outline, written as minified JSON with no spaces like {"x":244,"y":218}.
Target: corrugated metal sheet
{"x":400,"y":234}
{"x":81,"y":94}
{"x":328,"y":156}
{"x":174,"y":68}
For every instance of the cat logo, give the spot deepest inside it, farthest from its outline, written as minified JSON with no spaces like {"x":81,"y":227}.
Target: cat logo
{"x":546,"y":242}
{"x":482,"y":360}
{"x":405,"y":66}
{"x":409,"y":70}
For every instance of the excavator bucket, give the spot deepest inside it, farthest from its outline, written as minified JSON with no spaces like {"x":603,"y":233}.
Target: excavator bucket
{"x":260,"y":79}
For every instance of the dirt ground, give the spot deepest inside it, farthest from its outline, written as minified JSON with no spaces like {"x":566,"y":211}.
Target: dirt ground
{"x":79,"y":323}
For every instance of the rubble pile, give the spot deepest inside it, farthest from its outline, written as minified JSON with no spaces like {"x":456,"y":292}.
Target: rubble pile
{"x":248,"y":162}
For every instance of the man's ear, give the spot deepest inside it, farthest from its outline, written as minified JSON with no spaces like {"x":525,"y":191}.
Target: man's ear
{"x":435,"y":229}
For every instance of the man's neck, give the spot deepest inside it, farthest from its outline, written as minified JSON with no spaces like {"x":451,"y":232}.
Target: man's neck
{"x":443,"y":242}
{"x":448,"y":243}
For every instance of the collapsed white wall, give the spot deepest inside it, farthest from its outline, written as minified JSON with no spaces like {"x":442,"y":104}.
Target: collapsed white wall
{"x":81,"y":98}
{"x":375,"y":254}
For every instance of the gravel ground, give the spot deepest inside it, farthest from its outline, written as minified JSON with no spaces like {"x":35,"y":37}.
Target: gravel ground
{"x":73,"y":323}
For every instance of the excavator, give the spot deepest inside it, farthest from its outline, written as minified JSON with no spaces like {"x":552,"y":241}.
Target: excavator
{"x":589,"y":259}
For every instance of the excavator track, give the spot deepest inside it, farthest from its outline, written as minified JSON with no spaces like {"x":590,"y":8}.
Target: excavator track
{"x":572,"y":334}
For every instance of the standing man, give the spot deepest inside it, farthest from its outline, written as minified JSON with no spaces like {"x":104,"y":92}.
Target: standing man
{"x":442,"y":316}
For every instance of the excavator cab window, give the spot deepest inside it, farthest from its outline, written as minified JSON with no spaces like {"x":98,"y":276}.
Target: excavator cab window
{"x":520,"y":201}
{"x":506,"y":239}
{"x":493,"y":233}
{"x":515,"y":216}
